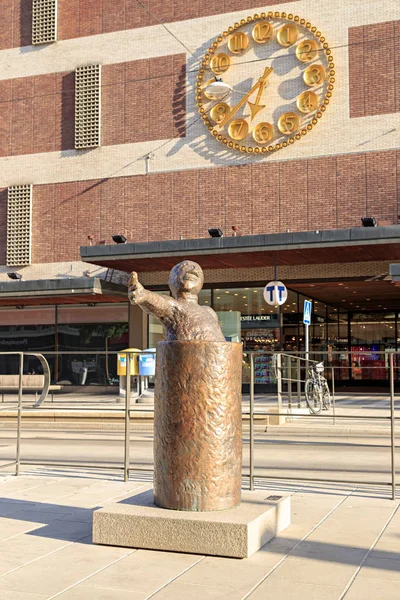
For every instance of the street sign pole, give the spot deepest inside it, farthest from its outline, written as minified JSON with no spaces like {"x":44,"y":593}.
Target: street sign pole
{"x":307,"y":323}
{"x":279,"y":308}
{"x":307,"y":343}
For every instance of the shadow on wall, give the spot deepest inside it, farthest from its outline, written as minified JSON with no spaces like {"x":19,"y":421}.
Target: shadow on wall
{"x":25,"y":22}
{"x":68,"y":111}
{"x":179,"y":103}
{"x":3,"y":222}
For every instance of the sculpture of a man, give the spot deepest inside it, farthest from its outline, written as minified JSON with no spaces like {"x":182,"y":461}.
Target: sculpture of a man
{"x":182,"y":317}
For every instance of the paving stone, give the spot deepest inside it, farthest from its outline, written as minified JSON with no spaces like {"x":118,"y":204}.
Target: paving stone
{"x":290,"y":590}
{"x":81,"y":592}
{"x":13,"y":595}
{"x":37,"y":579}
{"x":317,"y":571}
{"x":83,"y":559}
{"x":229,"y":573}
{"x":190,"y":591}
{"x":143,"y":571}
{"x":372,"y":589}
{"x":30,"y":546}
{"x":10,"y":527}
{"x":64,"y":530}
{"x":381,"y":568}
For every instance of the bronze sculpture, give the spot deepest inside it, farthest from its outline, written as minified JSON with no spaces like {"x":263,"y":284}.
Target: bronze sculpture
{"x":182,"y":317}
{"x":197,"y":408}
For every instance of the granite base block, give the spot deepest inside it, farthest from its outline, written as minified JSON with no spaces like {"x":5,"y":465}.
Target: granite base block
{"x":238,"y":532}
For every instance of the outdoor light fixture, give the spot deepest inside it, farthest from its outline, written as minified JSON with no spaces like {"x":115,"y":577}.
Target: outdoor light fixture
{"x":119,"y":239}
{"x":16,"y":276}
{"x":217,"y":89}
{"x":368,"y":221}
{"x":215,"y":233}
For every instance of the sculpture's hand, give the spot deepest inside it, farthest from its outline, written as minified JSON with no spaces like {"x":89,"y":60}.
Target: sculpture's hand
{"x":136,"y":292}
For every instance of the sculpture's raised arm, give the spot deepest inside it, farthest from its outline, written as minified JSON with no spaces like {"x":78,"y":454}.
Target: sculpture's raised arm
{"x":154,"y":304}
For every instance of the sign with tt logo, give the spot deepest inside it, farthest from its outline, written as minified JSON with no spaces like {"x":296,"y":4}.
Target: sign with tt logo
{"x":275,"y":293}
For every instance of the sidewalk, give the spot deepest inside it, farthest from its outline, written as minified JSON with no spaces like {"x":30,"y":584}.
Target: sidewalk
{"x":343,"y":543}
{"x":107,"y":412}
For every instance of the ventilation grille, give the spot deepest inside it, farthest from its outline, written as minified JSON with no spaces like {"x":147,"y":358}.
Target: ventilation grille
{"x":19,"y":225}
{"x":44,"y":21}
{"x":87,"y":106}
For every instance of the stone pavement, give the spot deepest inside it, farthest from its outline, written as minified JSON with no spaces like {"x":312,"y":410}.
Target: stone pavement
{"x":344,"y":542}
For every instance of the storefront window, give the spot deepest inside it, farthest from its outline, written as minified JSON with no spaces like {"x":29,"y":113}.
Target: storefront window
{"x":373,"y":335}
{"x":25,"y":330}
{"x":62,"y":334}
{"x":245,"y":316}
{"x":99,"y":368}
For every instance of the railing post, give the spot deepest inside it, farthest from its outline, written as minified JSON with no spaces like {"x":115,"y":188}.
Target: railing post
{"x":279,"y":381}
{"x":298,"y":382}
{"x":251,"y":421}
{"x":19,"y":418}
{"x":392,"y":426}
{"x":290,"y":383}
{"x":127,"y":416}
{"x":333,"y":395}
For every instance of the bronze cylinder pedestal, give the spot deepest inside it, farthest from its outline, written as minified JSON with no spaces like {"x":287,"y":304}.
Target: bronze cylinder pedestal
{"x":198,"y":425}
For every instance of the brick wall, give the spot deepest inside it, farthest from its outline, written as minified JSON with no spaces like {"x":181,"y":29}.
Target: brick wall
{"x":37,"y":113}
{"x":144,"y":100}
{"x":16,"y":23}
{"x":374,"y":69}
{"x":324,"y":193}
{"x":79,"y":18}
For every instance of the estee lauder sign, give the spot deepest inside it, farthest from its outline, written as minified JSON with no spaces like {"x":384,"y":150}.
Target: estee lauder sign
{"x":259,"y":320}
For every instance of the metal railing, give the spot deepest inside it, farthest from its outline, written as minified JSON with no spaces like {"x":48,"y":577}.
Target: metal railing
{"x":43,"y":395}
{"x":279,"y":369}
{"x":284,"y":382}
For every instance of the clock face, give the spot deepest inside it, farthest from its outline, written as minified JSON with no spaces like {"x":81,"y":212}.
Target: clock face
{"x":265,"y":82}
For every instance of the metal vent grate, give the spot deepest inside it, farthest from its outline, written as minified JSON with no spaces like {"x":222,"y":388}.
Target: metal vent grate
{"x":19,"y":225}
{"x":87,"y":106}
{"x":44,"y":21}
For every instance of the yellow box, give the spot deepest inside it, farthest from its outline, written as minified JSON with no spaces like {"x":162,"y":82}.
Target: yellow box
{"x":121,"y":366}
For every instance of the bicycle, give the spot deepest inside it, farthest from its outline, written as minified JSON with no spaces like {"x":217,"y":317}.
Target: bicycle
{"x":317,"y":390}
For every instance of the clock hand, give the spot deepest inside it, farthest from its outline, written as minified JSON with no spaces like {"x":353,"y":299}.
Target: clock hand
{"x":256,"y":107}
{"x":260,"y":83}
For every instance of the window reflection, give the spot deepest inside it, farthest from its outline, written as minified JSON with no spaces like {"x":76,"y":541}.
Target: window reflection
{"x":245,"y":316}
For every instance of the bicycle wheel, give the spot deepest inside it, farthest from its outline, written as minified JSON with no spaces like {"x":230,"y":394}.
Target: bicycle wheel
{"x":313,"y":397}
{"x":326,"y":395}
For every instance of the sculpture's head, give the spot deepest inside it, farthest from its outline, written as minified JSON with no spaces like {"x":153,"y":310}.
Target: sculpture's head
{"x":186,"y":278}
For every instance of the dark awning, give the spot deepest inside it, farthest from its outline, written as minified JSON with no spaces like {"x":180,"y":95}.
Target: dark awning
{"x":75,"y":290}
{"x":358,"y":244}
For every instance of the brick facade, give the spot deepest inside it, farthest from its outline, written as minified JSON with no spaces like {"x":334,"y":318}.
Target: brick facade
{"x":374,"y":69}
{"x":37,"y":114}
{"x":323,"y":182}
{"x":332,"y":192}
{"x":80,"y":18}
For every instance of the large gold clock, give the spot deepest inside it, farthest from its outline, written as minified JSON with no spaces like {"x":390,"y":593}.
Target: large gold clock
{"x":265,"y":82}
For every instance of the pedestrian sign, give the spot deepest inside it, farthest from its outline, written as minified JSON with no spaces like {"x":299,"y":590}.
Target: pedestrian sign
{"x":275,"y":293}
{"x":307,"y":312}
